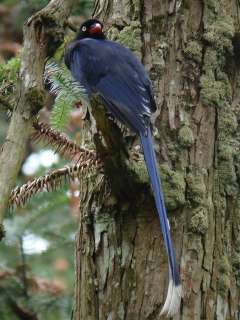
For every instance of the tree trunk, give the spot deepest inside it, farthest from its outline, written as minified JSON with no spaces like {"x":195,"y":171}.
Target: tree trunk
{"x":191,"y":49}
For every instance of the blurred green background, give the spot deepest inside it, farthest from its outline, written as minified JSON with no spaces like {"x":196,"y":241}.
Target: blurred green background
{"x":37,"y":254}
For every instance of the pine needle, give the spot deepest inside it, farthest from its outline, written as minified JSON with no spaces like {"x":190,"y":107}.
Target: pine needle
{"x":50,"y":182}
{"x":67,"y":92}
{"x":61,"y":144}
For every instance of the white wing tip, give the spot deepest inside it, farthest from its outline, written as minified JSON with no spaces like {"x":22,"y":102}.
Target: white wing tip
{"x":173,"y":300}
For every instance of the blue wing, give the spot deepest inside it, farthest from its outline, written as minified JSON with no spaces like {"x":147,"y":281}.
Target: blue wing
{"x":115,"y":73}
{"x":124,"y":86}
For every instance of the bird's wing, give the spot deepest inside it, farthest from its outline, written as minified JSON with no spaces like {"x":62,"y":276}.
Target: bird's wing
{"x":115,"y":73}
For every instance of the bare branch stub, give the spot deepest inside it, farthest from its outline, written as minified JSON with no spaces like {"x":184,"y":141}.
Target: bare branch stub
{"x":43,"y":33}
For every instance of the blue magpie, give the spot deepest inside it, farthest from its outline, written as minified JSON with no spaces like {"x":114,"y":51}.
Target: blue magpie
{"x":109,"y":69}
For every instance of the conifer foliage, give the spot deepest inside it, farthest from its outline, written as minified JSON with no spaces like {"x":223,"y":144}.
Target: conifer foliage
{"x":67,"y":92}
{"x":83,"y":159}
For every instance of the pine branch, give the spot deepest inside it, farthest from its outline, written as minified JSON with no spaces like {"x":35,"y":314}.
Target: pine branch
{"x":61,"y":144}
{"x":84,"y":160}
{"x":52,"y":181}
{"x":67,"y":91}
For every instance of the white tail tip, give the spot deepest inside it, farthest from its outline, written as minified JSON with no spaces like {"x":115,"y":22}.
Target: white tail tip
{"x":173,"y":300}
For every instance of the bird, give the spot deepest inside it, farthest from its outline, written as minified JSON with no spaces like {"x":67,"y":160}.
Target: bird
{"x":114,"y":73}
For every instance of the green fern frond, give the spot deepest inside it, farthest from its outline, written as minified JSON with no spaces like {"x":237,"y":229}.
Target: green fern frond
{"x":67,"y":92}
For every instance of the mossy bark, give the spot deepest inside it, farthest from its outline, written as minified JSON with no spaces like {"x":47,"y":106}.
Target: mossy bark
{"x":191,"y":50}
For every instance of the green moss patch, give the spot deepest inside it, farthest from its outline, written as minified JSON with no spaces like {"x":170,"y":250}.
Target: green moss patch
{"x":196,"y":190}
{"x":186,"y":137}
{"x":129,"y":36}
{"x":220,"y":33}
{"x":174,"y":186}
{"x":193,"y":51}
{"x":199,"y":221}
{"x":214,"y":93}
{"x":224,"y":282}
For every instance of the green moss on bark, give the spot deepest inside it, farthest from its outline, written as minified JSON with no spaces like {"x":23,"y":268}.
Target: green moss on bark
{"x":224,"y":280}
{"x":35,"y":99}
{"x":193,"y":51}
{"x":196,"y":189}
{"x":129,"y":36}
{"x":214,"y":93}
{"x":219,"y":31}
{"x":225,"y":152}
{"x":227,"y":126}
{"x":199,"y":221}
{"x":228,"y":178}
{"x":216,"y":90}
{"x":140,"y":169}
{"x":236,"y":267}
{"x":227,"y":122}
{"x":186,"y":137}
{"x":159,"y":56}
{"x":174,"y":186}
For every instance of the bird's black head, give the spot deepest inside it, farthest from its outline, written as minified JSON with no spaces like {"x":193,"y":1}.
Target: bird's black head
{"x":91,"y":29}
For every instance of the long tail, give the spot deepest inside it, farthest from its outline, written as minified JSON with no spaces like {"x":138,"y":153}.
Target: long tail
{"x":173,"y":300}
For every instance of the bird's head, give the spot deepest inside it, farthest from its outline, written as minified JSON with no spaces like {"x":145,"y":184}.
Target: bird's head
{"x":91,"y":29}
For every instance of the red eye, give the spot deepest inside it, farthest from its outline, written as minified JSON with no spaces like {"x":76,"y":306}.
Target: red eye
{"x":96,"y":28}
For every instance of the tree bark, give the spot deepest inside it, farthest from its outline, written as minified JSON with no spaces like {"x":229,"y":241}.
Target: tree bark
{"x":191,"y":50}
{"x":43,"y":33}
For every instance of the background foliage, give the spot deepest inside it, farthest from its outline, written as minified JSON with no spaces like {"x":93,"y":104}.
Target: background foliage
{"x":37,"y":254}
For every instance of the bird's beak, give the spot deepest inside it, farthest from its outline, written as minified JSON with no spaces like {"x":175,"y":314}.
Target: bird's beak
{"x":96,"y":28}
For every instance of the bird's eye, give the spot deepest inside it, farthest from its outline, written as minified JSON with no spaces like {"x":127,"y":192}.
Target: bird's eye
{"x":84,"y":28}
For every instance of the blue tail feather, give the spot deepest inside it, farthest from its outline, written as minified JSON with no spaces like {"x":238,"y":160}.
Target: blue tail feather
{"x":151,"y":163}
